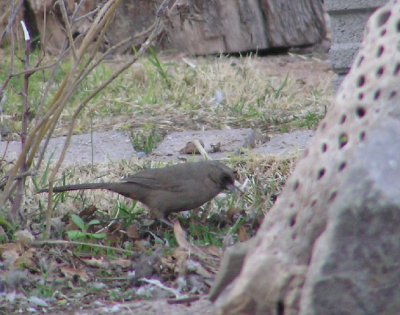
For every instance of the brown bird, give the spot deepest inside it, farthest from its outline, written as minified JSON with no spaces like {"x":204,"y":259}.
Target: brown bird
{"x":170,"y":189}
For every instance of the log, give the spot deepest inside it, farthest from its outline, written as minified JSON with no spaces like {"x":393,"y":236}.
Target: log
{"x":218,"y":26}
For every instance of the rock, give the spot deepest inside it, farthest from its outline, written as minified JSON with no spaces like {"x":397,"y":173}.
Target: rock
{"x":330,"y":244}
{"x":227,"y":141}
{"x":286,"y":144}
{"x":231,"y":265}
{"x":112,"y":146}
{"x":147,"y":266}
{"x":107,"y":146}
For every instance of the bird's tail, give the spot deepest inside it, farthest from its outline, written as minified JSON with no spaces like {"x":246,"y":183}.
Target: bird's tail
{"x":77,"y":187}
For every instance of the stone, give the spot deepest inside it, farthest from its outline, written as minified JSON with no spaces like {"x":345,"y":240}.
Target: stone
{"x":228,"y":141}
{"x":330,"y":244}
{"x":99,"y":147}
{"x":286,"y":144}
{"x":231,"y":266}
{"x":109,"y":146}
{"x":347,"y":19}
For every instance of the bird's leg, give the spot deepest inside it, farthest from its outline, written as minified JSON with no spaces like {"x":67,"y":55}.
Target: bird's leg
{"x":162,"y":217}
{"x":166,"y":221}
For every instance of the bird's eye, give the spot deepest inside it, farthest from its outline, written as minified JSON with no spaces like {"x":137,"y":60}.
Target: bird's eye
{"x":227,"y":179}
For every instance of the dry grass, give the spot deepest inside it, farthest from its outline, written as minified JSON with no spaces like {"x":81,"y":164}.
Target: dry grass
{"x":272,"y":94}
{"x":254,"y":92}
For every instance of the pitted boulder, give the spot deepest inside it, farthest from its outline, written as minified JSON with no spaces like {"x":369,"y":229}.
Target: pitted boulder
{"x":330,"y":245}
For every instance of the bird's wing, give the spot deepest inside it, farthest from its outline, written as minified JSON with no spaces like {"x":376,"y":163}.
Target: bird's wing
{"x":153,"y":183}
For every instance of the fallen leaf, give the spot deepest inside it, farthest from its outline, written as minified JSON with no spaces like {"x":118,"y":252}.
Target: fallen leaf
{"x":17,"y":247}
{"x":132,"y":232}
{"x":37,"y":301}
{"x":87,"y":213}
{"x":96,"y":262}
{"x":190,"y":148}
{"x":215,"y":147}
{"x":24,"y":237}
{"x":242,"y":234}
{"x":25,"y":260}
{"x":180,"y":236}
{"x":120,"y":262}
{"x":70,"y":273}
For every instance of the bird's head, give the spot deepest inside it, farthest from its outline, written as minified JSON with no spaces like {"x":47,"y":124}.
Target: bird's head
{"x":223,"y":176}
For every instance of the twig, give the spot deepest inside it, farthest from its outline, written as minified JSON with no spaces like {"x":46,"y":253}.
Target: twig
{"x":163,"y":8}
{"x":12,"y":17}
{"x":62,"y":242}
{"x":87,"y":15}
{"x":16,"y":205}
{"x":202,"y":151}
{"x":4,"y":180}
{"x":158,"y":284}
{"x":5,"y":151}
{"x":68,"y":27}
{"x":184,"y":300}
{"x":102,"y":20}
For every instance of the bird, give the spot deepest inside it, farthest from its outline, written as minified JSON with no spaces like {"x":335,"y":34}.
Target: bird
{"x":169,"y":189}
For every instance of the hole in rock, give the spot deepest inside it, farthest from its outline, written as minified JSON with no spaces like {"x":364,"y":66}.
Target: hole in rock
{"x":398,"y":26}
{"x":396,"y":69}
{"x":362,"y":136}
{"x":380,"y":71}
{"x":383,"y":18}
{"x":292,"y":220}
{"x":392,"y":94}
{"x":377,"y":95}
{"x":324,"y":147}
{"x":343,"y":139}
{"x":360,"y":61}
{"x":291,"y":205}
{"x":313,"y":203}
{"x":360,"y":111}
{"x":360,"y":96}
{"x":296,"y":185}
{"x":333,"y":196}
{"x":342,"y":119}
{"x":361,"y":81}
{"x":280,"y":308}
{"x":321,"y":173}
{"x":383,"y":32}
{"x":342,"y":166}
{"x":381,"y":49}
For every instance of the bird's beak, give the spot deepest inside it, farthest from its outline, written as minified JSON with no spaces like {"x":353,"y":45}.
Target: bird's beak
{"x":235,"y":187}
